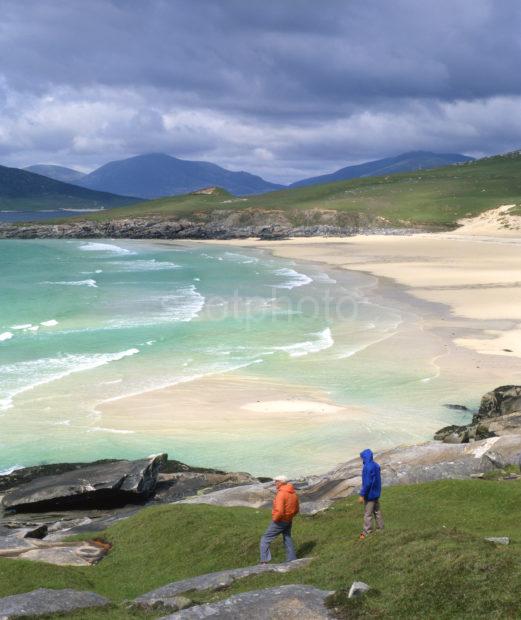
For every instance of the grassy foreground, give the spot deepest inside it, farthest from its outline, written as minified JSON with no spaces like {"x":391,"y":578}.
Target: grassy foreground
{"x":436,"y":198}
{"x":431,"y":562}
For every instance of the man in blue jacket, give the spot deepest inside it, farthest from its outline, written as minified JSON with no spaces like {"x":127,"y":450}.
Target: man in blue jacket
{"x":370,"y":493}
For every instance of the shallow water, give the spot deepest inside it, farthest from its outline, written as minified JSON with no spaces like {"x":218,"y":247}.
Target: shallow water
{"x":83,"y":322}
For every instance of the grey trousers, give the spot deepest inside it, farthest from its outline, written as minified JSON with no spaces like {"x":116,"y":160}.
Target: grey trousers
{"x":372,"y":509}
{"x":275,"y":528}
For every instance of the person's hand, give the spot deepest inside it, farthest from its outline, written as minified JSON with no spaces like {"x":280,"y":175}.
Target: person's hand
{"x":360,"y":499}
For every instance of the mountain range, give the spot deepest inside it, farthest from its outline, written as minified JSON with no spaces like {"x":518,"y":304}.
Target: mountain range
{"x":406,"y":162}
{"x":58,"y":173}
{"x":156,"y":175}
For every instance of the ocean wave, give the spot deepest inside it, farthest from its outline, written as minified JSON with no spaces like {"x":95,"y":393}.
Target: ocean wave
{"x":324,"y":278}
{"x":21,"y":377}
{"x":323,"y":340}
{"x":293,"y":278}
{"x":100,"y":429}
{"x":6,"y":336}
{"x":89,"y":282}
{"x":10,"y":470}
{"x":93,"y":246}
{"x":22,"y":326}
{"x":50,"y":323}
{"x":146,"y":265}
{"x":235,"y":257}
{"x":184,"y":305}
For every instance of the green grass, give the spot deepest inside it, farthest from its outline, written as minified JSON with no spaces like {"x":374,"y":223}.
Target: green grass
{"x":431,"y":562}
{"x":435,"y":198}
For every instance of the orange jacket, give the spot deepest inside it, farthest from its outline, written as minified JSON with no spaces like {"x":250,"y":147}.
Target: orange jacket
{"x":285,"y":504}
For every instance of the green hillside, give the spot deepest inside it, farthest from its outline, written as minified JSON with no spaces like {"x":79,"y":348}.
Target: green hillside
{"x":21,"y":190}
{"x":430,"y":562}
{"x":436,"y":197}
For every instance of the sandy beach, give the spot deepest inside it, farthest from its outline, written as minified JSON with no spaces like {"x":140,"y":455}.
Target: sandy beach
{"x":468,"y":293}
{"x":475,"y":271}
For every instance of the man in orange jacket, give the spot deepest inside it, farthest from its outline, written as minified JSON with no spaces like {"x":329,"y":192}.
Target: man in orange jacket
{"x":285,"y":507}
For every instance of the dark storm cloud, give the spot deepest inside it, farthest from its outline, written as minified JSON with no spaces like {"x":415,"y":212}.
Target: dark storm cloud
{"x":282,"y":87}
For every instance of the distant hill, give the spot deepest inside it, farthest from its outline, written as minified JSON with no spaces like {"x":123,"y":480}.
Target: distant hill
{"x":58,"y":173}
{"x":434,"y":198}
{"x":26,"y":191}
{"x":157,"y":175}
{"x":406,"y":162}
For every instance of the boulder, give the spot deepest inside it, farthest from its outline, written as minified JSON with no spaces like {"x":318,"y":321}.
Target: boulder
{"x":358,"y":588}
{"x":435,"y":461}
{"x":173,"y":487}
{"x":42,"y":602}
{"x":502,"y":401}
{"x":100,"y":486}
{"x":167,"y":595}
{"x":81,"y":553}
{"x":292,"y":602}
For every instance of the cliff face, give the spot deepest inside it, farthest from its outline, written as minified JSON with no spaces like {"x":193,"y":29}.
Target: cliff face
{"x":218,"y":224}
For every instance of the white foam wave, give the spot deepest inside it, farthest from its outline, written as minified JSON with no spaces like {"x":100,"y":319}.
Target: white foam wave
{"x":6,"y":336}
{"x":184,"y":305}
{"x":146,"y":265}
{"x":50,"y":323}
{"x":293,"y":278}
{"x":100,"y":429}
{"x":89,"y":282}
{"x":21,"y":377}
{"x":235,"y":257}
{"x":10,"y":470}
{"x":323,"y":340}
{"x":94,"y":246}
{"x":324,"y":278}
{"x":24,"y":326}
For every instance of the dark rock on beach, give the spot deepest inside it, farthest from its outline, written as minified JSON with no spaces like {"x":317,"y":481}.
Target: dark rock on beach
{"x":101,"y":485}
{"x":499,"y":414}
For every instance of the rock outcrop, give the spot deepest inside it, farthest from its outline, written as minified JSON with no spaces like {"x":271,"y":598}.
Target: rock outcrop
{"x":113,"y":484}
{"x":167,"y":595}
{"x":293,"y":602}
{"x":404,"y":465}
{"x":498,"y":414}
{"x":214,"y":224}
{"x":42,"y":602}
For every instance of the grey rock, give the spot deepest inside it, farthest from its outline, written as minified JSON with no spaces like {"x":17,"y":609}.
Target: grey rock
{"x":502,"y":401}
{"x":177,"y":486}
{"x":498,"y":540}
{"x":292,"y":602}
{"x":41,"y":602}
{"x":113,"y":484}
{"x":213,"y":581}
{"x":258,"y":495}
{"x":357,"y":589}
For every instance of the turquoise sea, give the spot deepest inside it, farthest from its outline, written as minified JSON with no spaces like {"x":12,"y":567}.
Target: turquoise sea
{"x":83,"y":322}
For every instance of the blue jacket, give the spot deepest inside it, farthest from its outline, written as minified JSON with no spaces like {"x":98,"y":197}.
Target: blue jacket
{"x":371,"y":480}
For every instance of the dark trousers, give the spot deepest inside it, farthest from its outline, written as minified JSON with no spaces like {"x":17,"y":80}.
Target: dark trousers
{"x":275,"y":529}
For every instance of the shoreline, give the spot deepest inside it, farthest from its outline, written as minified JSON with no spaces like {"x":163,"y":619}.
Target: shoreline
{"x":432,"y":315}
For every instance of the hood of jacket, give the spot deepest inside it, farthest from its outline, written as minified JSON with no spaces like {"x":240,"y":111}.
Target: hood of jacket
{"x":287,"y":488}
{"x":366,"y":455}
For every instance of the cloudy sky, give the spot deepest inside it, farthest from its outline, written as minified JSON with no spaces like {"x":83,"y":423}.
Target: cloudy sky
{"x":282,"y":88}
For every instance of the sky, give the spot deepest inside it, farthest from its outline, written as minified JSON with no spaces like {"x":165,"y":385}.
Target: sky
{"x":282,"y":88}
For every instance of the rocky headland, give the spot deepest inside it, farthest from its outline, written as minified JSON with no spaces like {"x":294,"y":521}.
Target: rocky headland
{"x":217,"y":224}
